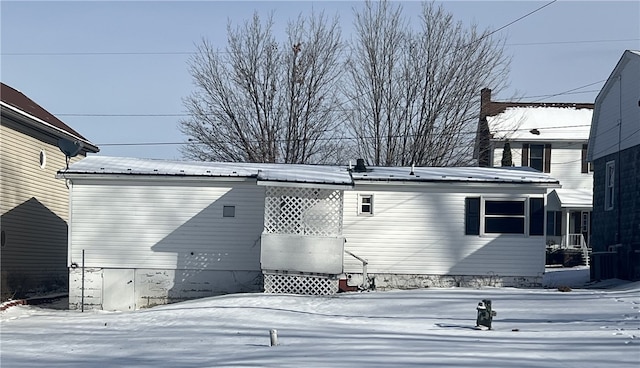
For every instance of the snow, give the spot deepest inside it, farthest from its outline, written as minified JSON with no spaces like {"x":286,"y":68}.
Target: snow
{"x":409,"y":328}
{"x":338,"y":176}
{"x":553,"y":123}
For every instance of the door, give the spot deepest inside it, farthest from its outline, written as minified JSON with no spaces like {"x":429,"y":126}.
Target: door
{"x":118,"y":292}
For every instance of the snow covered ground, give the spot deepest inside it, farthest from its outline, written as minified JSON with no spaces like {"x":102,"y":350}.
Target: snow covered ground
{"x":411,"y":328}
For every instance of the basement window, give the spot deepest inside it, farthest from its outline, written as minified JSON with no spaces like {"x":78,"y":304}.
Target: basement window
{"x":229,"y":211}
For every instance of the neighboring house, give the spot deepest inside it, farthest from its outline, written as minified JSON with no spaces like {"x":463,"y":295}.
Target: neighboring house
{"x":147,"y":232}
{"x":614,"y":150}
{"x":33,"y":203}
{"x":551,"y":138}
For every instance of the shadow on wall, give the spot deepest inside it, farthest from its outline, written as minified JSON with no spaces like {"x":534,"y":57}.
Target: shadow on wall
{"x":33,"y":251}
{"x":217,"y":251}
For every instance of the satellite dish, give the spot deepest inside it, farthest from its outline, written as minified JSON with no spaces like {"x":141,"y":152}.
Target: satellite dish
{"x":70,"y":148}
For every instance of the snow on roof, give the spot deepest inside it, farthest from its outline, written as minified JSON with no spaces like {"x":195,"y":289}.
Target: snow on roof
{"x":577,"y":198}
{"x":553,"y":123}
{"x":316,"y":174}
{"x":457,"y":174}
{"x":264,"y":172}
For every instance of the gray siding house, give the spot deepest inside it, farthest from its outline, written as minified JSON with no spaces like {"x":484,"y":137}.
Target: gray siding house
{"x":148,"y":232}
{"x":614,"y":150}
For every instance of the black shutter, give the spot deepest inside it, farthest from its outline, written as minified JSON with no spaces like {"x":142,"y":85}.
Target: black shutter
{"x":547,"y":158}
{"x":472,"y":216}
{"x":525,"y":155}
{"x":536,"y":216}
{"x":558,"y":223}
{"x":585,"y":164}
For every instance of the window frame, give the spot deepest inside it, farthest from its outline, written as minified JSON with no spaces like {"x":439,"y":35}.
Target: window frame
{"x":609,"y":185}
{"x":531,"y":222}
{"x":545,"y":159}
{"x":361,"y":201}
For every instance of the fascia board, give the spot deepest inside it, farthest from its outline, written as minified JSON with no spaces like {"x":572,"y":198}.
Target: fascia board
{"x":29,"y":119}
{"x":291,"y":184}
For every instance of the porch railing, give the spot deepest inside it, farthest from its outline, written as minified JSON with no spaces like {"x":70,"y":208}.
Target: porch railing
{"x":577,"y":241}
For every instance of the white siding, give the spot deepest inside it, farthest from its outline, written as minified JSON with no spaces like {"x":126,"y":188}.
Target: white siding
{"x":612,"y":106}
{"x":166,"y":225}
{"x":566,"y":163}
{"x":421,"y":231}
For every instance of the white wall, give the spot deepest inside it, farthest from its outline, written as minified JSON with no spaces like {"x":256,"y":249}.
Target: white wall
{"x":168,"y":226}
{"x":566,"y":163}
{"x":618,"y":102}
{"x":416,"y":230}
{"x":162,"y":241}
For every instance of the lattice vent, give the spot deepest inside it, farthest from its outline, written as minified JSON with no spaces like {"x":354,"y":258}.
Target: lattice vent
{"x":304,"y":211}
{"x":299,"y":284}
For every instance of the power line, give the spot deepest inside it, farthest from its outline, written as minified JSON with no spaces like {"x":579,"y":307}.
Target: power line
{"x":160,"y":53}
{"x":396,"y":136}
{"x":570,"y":42}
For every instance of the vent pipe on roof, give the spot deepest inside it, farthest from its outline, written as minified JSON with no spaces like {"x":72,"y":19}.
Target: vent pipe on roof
{"x":360,"y":167}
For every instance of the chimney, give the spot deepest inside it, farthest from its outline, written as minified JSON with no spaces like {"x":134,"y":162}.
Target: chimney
{"x":360,"y":167}
{"x":485,"y":101}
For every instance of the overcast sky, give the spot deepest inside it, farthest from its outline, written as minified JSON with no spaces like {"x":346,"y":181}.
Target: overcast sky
{"x":116,"y":71}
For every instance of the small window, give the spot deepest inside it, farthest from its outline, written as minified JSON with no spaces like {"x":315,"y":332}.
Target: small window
{"x":43,"y":159}
{"x":365,"y":204}
{"x":585,"y":222}
{"x":229,"y":211}
{"x":609,"y":188}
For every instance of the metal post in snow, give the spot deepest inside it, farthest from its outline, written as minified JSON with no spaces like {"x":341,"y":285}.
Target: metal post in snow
{"x":82,"y":286}
{"x":273,"y":334}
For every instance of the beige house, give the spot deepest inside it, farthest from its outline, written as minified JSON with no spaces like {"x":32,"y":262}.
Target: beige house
{"x":34,"y":205}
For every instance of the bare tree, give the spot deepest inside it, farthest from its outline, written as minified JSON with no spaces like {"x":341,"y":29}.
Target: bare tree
{"x":264,"y":101}
{"x":414,"y":96}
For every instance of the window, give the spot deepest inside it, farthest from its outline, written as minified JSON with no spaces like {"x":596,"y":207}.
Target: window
{"x":537,"y":156}
{"x":554,"y":223}
{"x":499,"y":216}
{"x":504,"y":217}
{"x":43,"y":159}
{"x":229,"y":211}
{"x":585,"y":222}
{"x":610,"y":175}
{"x":365,"y":204}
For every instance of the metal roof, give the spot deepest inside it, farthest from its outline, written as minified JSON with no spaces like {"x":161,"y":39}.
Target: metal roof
{"x":456,"y":174}
{"x":315,"y":174}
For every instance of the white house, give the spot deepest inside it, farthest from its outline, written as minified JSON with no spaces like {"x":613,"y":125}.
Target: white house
{"x":147,"y":232}
{"x":551,"y":138}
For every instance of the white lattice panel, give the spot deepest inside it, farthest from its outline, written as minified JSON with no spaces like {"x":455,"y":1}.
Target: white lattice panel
{"x":303,"y":211}
{"x":299,"y":284}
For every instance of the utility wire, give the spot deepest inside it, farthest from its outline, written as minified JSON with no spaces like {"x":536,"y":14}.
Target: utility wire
{"x":157,"y":53}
